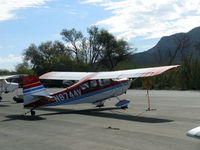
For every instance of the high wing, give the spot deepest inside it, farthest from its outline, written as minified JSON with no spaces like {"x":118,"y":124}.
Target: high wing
{"x":9,"y":77}
{"x":65,"y":75}
{"x":132,"y":73}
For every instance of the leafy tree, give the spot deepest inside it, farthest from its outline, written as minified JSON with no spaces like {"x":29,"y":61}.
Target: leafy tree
{"x":24,"y":68}
{"x":42,"y":57}
{"x":72,"y":38}
{"x":5,"y":72}
{"x":100,"y":49}
{"x":113,"y":51}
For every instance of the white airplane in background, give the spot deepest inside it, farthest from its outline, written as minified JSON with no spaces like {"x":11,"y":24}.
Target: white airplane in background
{"x":7,"y":85}
{"x":195,"y":133}
{"x":92,"y":87}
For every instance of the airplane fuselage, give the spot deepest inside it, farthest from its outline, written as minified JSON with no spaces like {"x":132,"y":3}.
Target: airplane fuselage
{"x":91,"y":91}
{"x":85,"y":91}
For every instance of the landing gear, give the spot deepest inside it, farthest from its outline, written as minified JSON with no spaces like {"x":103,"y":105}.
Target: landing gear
{"x":18,"y":99}
{"x":124,"y":107}
{"x":32,"y":113}
{"x":99,"y":104}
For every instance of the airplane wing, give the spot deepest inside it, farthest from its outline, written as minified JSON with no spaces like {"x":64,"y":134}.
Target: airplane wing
{"x":9,"y":77}
{"x":132,"y":73}
{"x":194,"y":132}
{"x":65,"y":75}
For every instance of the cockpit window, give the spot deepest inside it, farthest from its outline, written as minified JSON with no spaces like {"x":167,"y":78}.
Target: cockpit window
{"x":68,"y":83}
{"x":85,"y":86}
{"x":104,"y":82}
{"x":89,"y":85}
{"x":93,"y":83}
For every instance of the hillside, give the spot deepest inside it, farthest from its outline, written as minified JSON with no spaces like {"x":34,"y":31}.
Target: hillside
{"x":170,"y":49}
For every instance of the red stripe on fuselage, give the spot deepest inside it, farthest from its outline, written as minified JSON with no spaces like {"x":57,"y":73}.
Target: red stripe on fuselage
{"x":76,"y":87}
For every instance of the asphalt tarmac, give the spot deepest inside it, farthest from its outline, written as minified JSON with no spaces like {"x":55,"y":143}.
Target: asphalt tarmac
{"x":85,"y":127}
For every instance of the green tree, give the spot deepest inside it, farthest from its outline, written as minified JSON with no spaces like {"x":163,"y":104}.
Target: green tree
{"x":100,"y":49}
{"x":24,"y":68}
{"x":5,"y":72}
{"x":73,"y":39}
{"x":42,"y":57}
{"x":113,"y":51}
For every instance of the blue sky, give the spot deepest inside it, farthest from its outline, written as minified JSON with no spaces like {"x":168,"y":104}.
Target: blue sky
{"x":141,"y":22}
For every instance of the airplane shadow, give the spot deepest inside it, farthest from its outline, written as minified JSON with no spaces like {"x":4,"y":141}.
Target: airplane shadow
{"x":23,"y":117}
{"x":101,"y":113}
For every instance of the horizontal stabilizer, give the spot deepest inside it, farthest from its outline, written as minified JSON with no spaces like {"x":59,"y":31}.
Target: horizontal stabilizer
{"x":195,"y":133}
{"x":41,"y":100}
{"x":122,"y":103}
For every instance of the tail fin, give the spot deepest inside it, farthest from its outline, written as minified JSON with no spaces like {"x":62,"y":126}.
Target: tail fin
{"x":33,"y":90}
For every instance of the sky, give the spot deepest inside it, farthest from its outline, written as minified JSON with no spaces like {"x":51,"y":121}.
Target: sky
{"x":141,"y":22}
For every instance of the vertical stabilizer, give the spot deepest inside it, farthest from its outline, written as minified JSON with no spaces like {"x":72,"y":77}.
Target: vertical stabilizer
{"x":33,"y":90}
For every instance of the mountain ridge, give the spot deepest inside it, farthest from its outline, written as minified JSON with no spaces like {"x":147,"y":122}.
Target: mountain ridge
{"x":170,"y":49}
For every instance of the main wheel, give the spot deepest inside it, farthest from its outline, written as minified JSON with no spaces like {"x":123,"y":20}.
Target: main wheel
{"x":124,"y":107}
{"x":100,"y":105}
{"x":32,"y":113}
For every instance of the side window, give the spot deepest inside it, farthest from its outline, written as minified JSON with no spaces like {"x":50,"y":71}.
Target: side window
{"x":93,"y":83}
{"x":104,"y":82}
{"x":85,"y":86}
{"x":68,"y":83}
{"x":89,"y":85}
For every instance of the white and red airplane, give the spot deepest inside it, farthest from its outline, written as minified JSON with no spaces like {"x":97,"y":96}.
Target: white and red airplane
{"x":92,"y":87}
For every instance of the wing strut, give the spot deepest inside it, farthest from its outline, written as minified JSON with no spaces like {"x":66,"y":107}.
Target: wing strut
{"x":149,"y":102}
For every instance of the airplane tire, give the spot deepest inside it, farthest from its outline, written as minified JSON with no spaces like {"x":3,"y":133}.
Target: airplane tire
{"x":124,"y":107}
{"x":100,"y":105}
{"x":32,"y":113}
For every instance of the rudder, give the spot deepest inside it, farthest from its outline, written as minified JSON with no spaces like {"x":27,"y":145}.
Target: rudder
{"x":33,"y":90}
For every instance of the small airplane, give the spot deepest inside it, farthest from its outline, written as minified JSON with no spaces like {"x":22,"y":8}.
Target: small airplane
{"x":195,"y":132}
{"x":91,"y":87}
{"x":7,"y":84}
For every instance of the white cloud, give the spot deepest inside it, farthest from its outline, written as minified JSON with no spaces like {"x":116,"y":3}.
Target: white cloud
{"x":11,"y":58}
{"x":149,"y":18}
{"x":92,"y":1}
{"x":10,"y":61}
{"x":7,"y":7}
